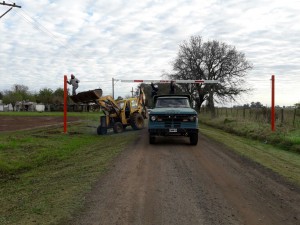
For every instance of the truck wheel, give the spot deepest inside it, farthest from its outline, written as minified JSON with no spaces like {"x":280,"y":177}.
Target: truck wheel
{"x":194,"y":138}
{"x":101,"y":130}
{"x":118,"y":127}
{"x":151,"y":139}
{"x":137,"y":121}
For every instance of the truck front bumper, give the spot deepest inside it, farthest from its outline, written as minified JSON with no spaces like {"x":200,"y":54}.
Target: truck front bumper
{"x":172,"y":131}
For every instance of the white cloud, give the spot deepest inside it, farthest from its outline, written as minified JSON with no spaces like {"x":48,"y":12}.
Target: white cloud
{"x":99,"y":40}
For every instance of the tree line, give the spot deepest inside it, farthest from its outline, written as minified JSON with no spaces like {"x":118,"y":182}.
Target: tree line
{"x":21,"y":93}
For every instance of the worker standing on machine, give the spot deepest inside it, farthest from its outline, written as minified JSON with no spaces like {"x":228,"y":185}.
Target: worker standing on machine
{"x":154,"y":89}
{"x":74,"y":82}
{"x":154,"y":92}
{"x":172,"y":87}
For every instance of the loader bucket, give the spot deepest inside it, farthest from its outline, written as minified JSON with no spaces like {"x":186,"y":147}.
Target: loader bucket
{"x":87,"y":96}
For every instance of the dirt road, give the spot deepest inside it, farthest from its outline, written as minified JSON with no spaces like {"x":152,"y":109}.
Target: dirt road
{"x":174,"y":183}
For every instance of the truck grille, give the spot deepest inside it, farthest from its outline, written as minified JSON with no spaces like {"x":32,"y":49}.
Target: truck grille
{"x":172,"y":121}
{"x":168,"y":124}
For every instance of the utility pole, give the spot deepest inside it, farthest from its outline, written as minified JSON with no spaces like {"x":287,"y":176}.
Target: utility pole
{"x":12,"y":6}
{"x":132,"y":92}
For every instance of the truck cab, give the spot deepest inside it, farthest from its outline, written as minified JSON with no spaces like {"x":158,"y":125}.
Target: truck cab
{"x":172,"y":115}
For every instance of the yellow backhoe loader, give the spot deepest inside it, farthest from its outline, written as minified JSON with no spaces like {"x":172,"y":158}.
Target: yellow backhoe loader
{"x":118,"y":114}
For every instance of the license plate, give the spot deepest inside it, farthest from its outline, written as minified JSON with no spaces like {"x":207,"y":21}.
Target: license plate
{"x":172,"y":130}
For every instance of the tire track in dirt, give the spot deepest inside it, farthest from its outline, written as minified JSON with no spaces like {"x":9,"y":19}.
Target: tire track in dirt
{"x":14,"y":123}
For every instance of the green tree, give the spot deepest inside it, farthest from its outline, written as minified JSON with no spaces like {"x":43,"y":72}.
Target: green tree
{"x":45,"y":96}
{"x":1,"y":95}
{"x":23,"y":91}
{"x":17,"y":93}
{"x":211,"y":60}
{"x":11,"y":97}
{"x":58,"y":96}
{"x":256,"y":105}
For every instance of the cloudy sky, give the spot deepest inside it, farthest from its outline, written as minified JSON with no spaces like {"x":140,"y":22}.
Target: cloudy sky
{"x":138,"y":39}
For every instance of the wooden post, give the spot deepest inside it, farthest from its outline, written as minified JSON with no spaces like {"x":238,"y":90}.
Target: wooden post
{"x":294,"y":119}
{"x":113,"y":87}
{"x":273,"y":104}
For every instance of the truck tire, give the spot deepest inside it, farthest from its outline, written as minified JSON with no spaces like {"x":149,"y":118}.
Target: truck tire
{"x":151,"y":139}
{"x":137,"y":121}
{"x":194,"y":138}
{"x":101,"y":130}
{"x":118,"y":127}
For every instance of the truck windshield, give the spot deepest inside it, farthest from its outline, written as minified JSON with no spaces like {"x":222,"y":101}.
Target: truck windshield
{"x":172,"y":103}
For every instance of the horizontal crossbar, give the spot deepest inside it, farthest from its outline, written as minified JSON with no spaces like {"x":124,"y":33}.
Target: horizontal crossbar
{"x":169,"y":81}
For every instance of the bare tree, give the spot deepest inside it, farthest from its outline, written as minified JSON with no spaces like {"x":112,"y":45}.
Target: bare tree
{"x":211,"y":60}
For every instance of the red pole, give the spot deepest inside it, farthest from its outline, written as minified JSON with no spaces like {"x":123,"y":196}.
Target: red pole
{"x":65,"y":103}
{"x":273,"y":104}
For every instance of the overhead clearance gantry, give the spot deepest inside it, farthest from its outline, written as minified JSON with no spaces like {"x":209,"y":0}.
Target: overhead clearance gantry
{"x":163,"y":82}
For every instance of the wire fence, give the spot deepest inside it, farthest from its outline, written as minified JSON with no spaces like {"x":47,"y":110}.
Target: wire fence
{"x":283,"y":116}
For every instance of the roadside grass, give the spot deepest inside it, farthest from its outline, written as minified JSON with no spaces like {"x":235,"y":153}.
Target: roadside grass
{"x":285,"y":137}
{"x":275,"y":158}
{"x":44,"y":174}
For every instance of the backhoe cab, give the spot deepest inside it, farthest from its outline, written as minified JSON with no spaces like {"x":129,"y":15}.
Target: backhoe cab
{"x":118,"y":114}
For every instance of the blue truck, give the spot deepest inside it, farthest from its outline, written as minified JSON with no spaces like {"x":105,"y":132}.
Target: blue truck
{"x":172,"y":115}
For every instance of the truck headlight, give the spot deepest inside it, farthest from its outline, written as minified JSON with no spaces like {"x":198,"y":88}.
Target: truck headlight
{"x":153,"y":118}
{"x":192,"y":118}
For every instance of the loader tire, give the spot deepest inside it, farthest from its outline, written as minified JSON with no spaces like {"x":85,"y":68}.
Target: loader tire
{"x":101,"y":130}
{"x":137,"y":121}
{"x":118,"y":127}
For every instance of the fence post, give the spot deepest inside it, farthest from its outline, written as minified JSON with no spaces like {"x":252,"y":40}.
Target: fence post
{"x":294,"y":119}
{"x":273,"y":104}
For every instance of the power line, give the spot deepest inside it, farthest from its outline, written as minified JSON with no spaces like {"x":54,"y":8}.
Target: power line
{"x":38,"y":26}
{"x":12,"y":6}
